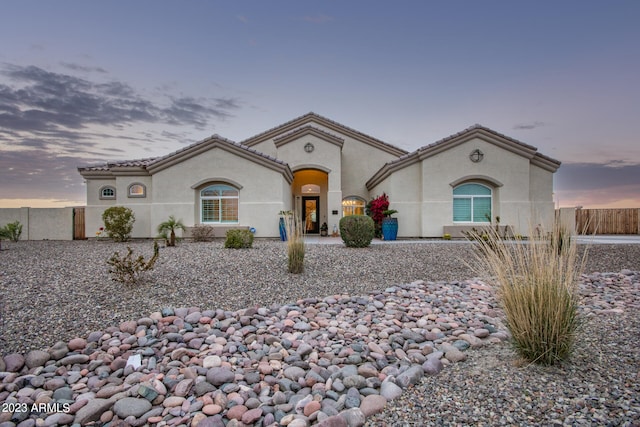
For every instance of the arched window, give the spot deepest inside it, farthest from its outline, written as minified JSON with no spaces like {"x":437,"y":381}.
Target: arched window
{"x":108,"y":193}
{"x":137,"y":190}
{"x":353,"y":206}
{"x":219,"y":204}
{"x":472,"y":203}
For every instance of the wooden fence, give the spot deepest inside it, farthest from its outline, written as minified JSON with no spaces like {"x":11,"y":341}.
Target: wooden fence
{"x":608,"y":221}
{"x":78,"y":224}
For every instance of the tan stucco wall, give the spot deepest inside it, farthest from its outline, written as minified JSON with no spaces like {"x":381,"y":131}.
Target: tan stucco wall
{"x":359,"y":162}
{"x":261,"y":196}
{"x":350,"y":166}
{"x":41,"y":223}
{"x":541,"y":194}
{"x":326,"y":157}
{"x":423,"y":194}
{"x":403,"y":189}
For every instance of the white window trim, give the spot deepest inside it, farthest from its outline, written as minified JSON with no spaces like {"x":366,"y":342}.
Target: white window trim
{"x":201,"y":198}
{"x":360,"y":199}
{"x":472,"y":197}
{"x":137,"y":196}
{"x":107,"y":187}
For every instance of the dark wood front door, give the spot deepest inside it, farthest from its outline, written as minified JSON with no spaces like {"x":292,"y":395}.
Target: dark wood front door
{"x":311,"y":214}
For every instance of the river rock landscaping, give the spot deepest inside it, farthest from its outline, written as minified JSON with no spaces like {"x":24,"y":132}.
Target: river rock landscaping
{"x":388,"y":335}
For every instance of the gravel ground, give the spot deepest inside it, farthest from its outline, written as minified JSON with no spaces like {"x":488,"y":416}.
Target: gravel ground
{"x":54,"y":291}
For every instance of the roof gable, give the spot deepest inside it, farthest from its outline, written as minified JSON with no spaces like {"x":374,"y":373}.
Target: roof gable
{"x":476,"y":131}
{"x":152,"y":165}
{"x":308,"y":130}
{"x":308,"y":119}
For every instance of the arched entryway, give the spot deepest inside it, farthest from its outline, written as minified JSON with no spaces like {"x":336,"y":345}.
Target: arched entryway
{"x":309,"y":192}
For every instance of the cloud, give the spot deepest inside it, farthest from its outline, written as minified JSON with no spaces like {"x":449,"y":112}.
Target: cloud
{"x":593,"y":184}
{"x":40,"y":100}
{"x":53,"y":122}
{"x":528,"y":126}
{"x":242,"y":19}
{"x":39,"y":174}
{"x":583,"y":176}
{"x":82,"y":68}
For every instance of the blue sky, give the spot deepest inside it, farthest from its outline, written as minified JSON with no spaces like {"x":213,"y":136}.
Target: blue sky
{"x":86,"y":81}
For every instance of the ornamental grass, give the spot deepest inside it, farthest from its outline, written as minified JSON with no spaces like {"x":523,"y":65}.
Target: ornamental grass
{"x":537,"y":287}
{"x":295,"y":244}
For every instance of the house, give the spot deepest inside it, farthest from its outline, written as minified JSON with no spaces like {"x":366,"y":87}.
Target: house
{"x":323,"y":171}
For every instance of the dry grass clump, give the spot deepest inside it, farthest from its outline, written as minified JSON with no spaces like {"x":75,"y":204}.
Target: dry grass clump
{"x":537,"y":287}
{"x":295,"y":244}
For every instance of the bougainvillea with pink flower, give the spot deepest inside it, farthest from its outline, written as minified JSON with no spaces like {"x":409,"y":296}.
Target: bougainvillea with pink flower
{"x":376,"y":209}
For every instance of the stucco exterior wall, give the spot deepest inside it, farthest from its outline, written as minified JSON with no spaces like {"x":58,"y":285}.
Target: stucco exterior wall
{"x":176,"y":190}
{"x":420,"y":186}
{"x":41,"y":223}
{"x":8,"y":215}
{"x":541,"y":195}
{"x":404,"y":189}
{"x":93,"y":191}
{"x":506,"y":173}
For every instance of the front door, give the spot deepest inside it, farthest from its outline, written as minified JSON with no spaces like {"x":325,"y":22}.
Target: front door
{"x":311,"y":214}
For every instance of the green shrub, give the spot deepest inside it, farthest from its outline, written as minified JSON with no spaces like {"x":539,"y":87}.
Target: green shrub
{"x":118,"y":223}
{"x":295,"y":244}
{"x":202,"y":233}
{"x":239,"y":239}
{"x":537,"y":287}
{"x":4,"y":234}
{"x":357,"y":231}
{"x":130,"y":271}
{"x":13,"y":231}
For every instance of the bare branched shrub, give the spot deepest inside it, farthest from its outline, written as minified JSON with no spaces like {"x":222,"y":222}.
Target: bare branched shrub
{"x":202,"y":233}
{"x":128,"y":270}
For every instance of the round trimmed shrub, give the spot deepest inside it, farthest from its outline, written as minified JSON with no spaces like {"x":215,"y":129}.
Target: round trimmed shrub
{"x":239,"y":239}
{"x":118,"y":222}
{"x":357,"y":231}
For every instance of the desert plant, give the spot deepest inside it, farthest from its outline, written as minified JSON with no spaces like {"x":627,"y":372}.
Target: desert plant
{"x":488,"y":236}
{"x":118,"y":222}
{"x":376,"y":209}
{"x":239,"y":239}
{"x":295,"y":244}
{"x":128,"y":270}
{"x":202,"y":233}
{"x":13,"y":231}
{"x":561,"y":239}
{"x":4,"y":234}
{"x":167,"y":230}
{"x":537,"y":288}
{"x":357,"y":231}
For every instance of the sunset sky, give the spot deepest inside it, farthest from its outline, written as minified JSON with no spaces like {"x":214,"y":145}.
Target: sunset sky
{"x":83,"y":82}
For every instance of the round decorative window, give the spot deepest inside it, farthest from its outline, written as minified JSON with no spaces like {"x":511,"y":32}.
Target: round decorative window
{"x":308,"y":147}
{"x":476,"y":156}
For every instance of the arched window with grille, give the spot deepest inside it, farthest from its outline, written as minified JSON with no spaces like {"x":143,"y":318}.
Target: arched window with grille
{"x":219,"y":204}
{"x":472,"y":203}
{"x":353,"y":206}
{"x":108,"y":193}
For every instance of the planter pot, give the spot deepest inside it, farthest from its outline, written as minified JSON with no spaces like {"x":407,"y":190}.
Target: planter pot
{"x":283,"y":230}
{"x":390,"y":228}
